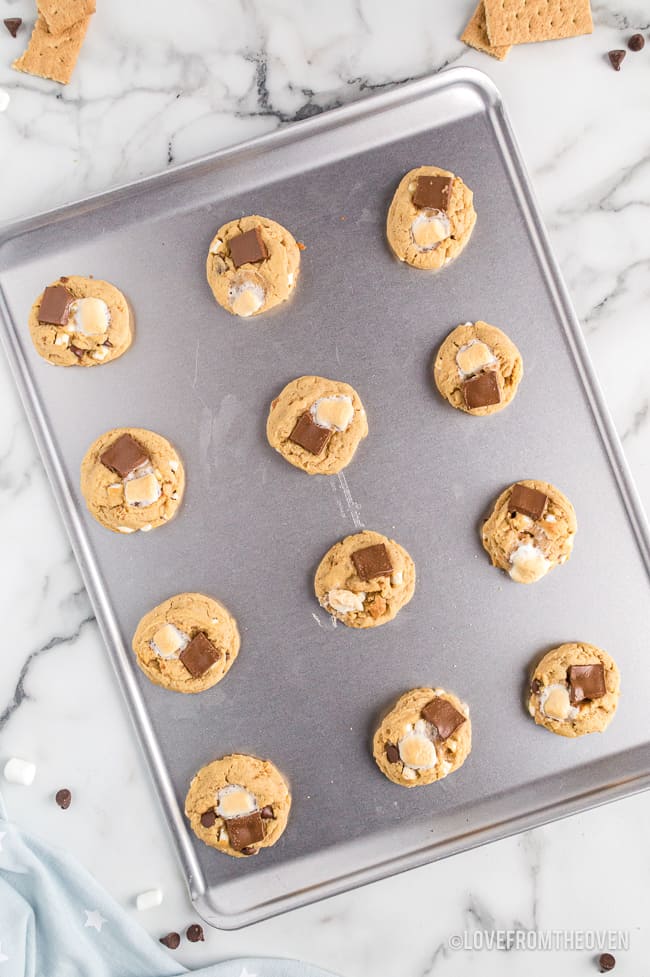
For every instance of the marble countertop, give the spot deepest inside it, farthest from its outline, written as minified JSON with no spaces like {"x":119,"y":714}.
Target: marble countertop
{"x":159,"y":83}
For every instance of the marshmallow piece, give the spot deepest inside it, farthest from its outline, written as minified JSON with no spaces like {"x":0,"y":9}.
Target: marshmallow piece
{"x":62,"y":339}
{"x":409,"y":774}
{"x":528,"y":564}
{"x":397,"y":578}
{"x":90,"y":316}
{"x":234,"y":801}
{"x":142,"y":491}
{"x":345,"y":601}
{"x":4,"y":100}
{"x":555,"y":703}
{"x":474,"y":357}
{"x":246,"y":299}
{"x":169,"y":641}
{"x":216,"y":246}
{"x":416,"y":749}
{"x":149,"y":899}
{"x":115,"y":494}
{"x":430,"y":228}
{"x":335,"y":413}
{"x":19,"y":771}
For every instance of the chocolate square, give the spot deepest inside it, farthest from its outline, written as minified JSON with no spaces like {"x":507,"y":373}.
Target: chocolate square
{"x":124,"y":455}
{"x":309,"y":435}
{"x":55,"y":305}
{"x":528,"y":501}
{"x":433,"y":192}
{"x":199,"y":655}
{"x":248,"y":247}
{"x":482,"y":390}
{"x":586,"y":682}
{"x":245,"y":831}
{"x":372,"y":561}
{"x":441,"y":714}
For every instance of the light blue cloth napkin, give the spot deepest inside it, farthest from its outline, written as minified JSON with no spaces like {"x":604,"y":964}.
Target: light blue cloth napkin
{"x":56,"y":921}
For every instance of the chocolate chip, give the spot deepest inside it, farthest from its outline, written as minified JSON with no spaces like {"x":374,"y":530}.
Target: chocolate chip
{"x":528,"y":501}
{"x":392,"y":753}
{"x":208,"y":819}
{"x":616,"y":59}
{"x":372,"y":561}
{"x":309,"y":435}
{"x":108,"y":343}
{"x":267,"y":813}
{"x":441,"y":714}
{"x":13,"y":23}
{"x":433,"y":192}
{"x":606,"y":962}
{"x":245,"y":831}
{"x":248,"y":247}
{"x":586,"y":682}
{"x":63,"y":798}
{"x":124,"y":455}
{"x":194,"y":933}
{"x":482,"y":390}
{"x":78,"y":352}
{"x":199,"y":656}
{"x":249,"y":851}
{"x":172,"y":940}
{"x":54,"y":309}
{"x":635,"y":43}
{"x":535,"y":686}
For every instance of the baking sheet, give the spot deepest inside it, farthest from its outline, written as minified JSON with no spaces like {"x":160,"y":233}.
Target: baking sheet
{"x":252,"y":529}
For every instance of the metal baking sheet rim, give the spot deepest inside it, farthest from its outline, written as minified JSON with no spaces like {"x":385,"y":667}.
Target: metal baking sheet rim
{"x":637,"y":776}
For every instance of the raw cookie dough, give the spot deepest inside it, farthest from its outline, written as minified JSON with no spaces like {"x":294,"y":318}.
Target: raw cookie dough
{"x":426,"y":736}
{"x":141,"y":497}
{"x":467,"y":355}
{"x":254,"y":286}
{"x":326,"y":416}
{"x":97,"y":327}
{"x":238,"y":804}
{"x":429,"y":237}
{"x":573,"y":702}
{"x":169,"y":652}
{"x":365,"y":579}
{"x":527,"y":543}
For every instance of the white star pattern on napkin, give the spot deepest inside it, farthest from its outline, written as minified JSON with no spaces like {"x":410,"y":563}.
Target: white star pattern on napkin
{"x":94,"y":919}
{"x":3,"y":956}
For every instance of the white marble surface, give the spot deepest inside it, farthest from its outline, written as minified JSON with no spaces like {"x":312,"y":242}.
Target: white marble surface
{"x":159,"y":83}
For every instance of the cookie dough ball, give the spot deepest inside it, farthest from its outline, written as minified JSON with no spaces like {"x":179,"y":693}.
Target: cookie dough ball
{"x":574,"y":690}
{"x":365,"y":580}
{"x":238,"y":804}
{"x":132,"y":479}
{"x":187,"y":643}
{"x":425,"y":737}
{"x":531,"y":530}
{"x":431,"y":217}
{"x":80,"y":322}
{"x":316,"y":424}
{"x":253,"y":265}
{"x":478,"y":369}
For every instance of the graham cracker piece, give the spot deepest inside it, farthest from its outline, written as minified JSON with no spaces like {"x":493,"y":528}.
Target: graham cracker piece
{"x":522,"y":21}
{"x":476,"y":35}
{"x":52,"y":55}
{"x":60,"y":15}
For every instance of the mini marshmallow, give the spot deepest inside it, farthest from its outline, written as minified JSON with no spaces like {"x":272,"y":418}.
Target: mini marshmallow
{"x":417,"y":749}
{"x":246,"y":299}
{"x":528,"y":564}
{"x":216,"y":246}
{"x":142,"y":491}
{"x":19,"y":771}
{"x":334,"y":413}
{"x":397,"y":578}
{"x":89,"y":316}
{"x":62,"y":339}
{"x":345,"y":601}
{"x":234,"y":801}
{"x":555,"y":703}
{"x":169,"y":641}
{"x":149,"y":899}
{"x":430,"y":228}
{"x":474,"y":357}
